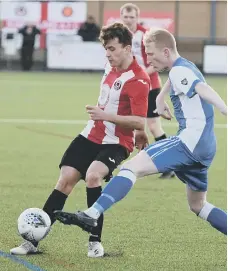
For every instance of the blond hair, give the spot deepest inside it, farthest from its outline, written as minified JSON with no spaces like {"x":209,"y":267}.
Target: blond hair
{"x":129,"y":7}
{"x":161,"y":38}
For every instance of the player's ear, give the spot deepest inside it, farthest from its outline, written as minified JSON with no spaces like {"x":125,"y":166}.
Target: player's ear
{"x":166,"y":52}
{"x":128,"y":48}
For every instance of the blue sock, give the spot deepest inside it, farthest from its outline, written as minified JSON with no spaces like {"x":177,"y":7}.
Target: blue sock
{"x":115,"y":190}
{"x":215,"y":216}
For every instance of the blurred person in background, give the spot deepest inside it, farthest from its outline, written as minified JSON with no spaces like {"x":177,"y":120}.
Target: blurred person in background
{"x":129,"y":14}
{"x":89,"y":30}
{"x":28,"y":32}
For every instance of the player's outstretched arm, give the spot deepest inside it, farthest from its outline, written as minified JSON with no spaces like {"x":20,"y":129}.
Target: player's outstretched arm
{"x":211,"y":96}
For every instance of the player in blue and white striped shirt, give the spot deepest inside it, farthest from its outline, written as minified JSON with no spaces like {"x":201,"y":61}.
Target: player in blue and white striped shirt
{"x":189,"y":154}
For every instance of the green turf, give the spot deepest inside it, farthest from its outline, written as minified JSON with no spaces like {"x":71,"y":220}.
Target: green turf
{"x":152,"y":229}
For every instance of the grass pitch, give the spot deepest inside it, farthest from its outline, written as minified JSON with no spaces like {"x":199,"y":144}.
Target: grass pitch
{"x":152,"y":229}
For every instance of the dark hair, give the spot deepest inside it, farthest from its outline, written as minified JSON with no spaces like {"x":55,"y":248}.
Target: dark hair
{"x":116,"y":30}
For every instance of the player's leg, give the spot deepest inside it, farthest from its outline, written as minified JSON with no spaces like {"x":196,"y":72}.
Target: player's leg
{"x":94,"y":176}
{"x":139,"y":166}
{"x":198,"y":204}
{"x":154,"y":124}
{"x":67,"y":180}
{"x":74,"y":164}
{"x":107,"y":160}
{"x":155,"y":128}
{"x":153,"y":119}
{"x":162,"y":156}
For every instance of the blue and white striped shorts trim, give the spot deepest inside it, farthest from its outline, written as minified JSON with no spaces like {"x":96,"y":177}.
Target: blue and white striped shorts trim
{"x":162,"y":146}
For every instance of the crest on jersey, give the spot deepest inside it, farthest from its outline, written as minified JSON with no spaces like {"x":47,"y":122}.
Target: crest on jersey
{"x":184,"y":82}
{"x":117,"y":85}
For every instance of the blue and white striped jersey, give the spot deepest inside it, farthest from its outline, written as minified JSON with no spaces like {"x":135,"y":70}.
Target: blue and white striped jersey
{"x":194,"y":115}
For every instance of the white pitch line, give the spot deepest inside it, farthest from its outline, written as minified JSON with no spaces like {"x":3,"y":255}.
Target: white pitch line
{"x":79,"y":122}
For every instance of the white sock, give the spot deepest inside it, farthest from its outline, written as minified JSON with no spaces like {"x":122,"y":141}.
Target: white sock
{"x":92,"y":212}
{"x":205,"y":211}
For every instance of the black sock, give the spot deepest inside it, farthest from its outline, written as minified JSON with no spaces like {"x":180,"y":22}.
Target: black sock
{"x":92,"y":195}
{"x":55,"y":201}
{"x":161,"y":137}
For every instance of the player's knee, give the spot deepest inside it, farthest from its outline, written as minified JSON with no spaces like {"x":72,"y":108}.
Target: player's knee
{"x":129,"y":165}
{"x":65,"y":185}
{"x":93,"y":179}
{"x":141,"y":165}
{"x":67,"y":180}
{"x":196,"y":207}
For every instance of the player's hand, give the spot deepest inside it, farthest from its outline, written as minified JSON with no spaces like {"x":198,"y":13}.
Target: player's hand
{"x":141,"y":140}
{"x":163,"y":110}
{"x":96,"y":113}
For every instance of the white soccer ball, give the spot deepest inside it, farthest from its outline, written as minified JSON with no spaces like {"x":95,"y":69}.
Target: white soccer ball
{"x":34,"y":224}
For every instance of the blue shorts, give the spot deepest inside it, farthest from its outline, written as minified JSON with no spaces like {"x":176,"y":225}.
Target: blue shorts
{"x":171,"y":154}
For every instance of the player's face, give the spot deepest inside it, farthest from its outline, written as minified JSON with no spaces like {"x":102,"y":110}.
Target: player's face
{"x":157,"y":57}
{"x":116,"y":52}
{"x":130,"y":19}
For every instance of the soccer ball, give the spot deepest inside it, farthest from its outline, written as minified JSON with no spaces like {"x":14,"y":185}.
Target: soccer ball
{"x":33,"y":224}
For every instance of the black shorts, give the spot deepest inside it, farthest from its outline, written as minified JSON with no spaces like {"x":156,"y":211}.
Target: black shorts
{"x":82,"y":152}
{"x":152,"y":103}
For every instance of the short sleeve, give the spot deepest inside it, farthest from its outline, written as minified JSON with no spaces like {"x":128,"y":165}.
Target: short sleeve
{"x":138,"y":91}
{"x":183,"y":80}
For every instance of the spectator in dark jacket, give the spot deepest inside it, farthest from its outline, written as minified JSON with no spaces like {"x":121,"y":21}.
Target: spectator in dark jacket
{"x":29,"y":33}
{"x":89,"y":30}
